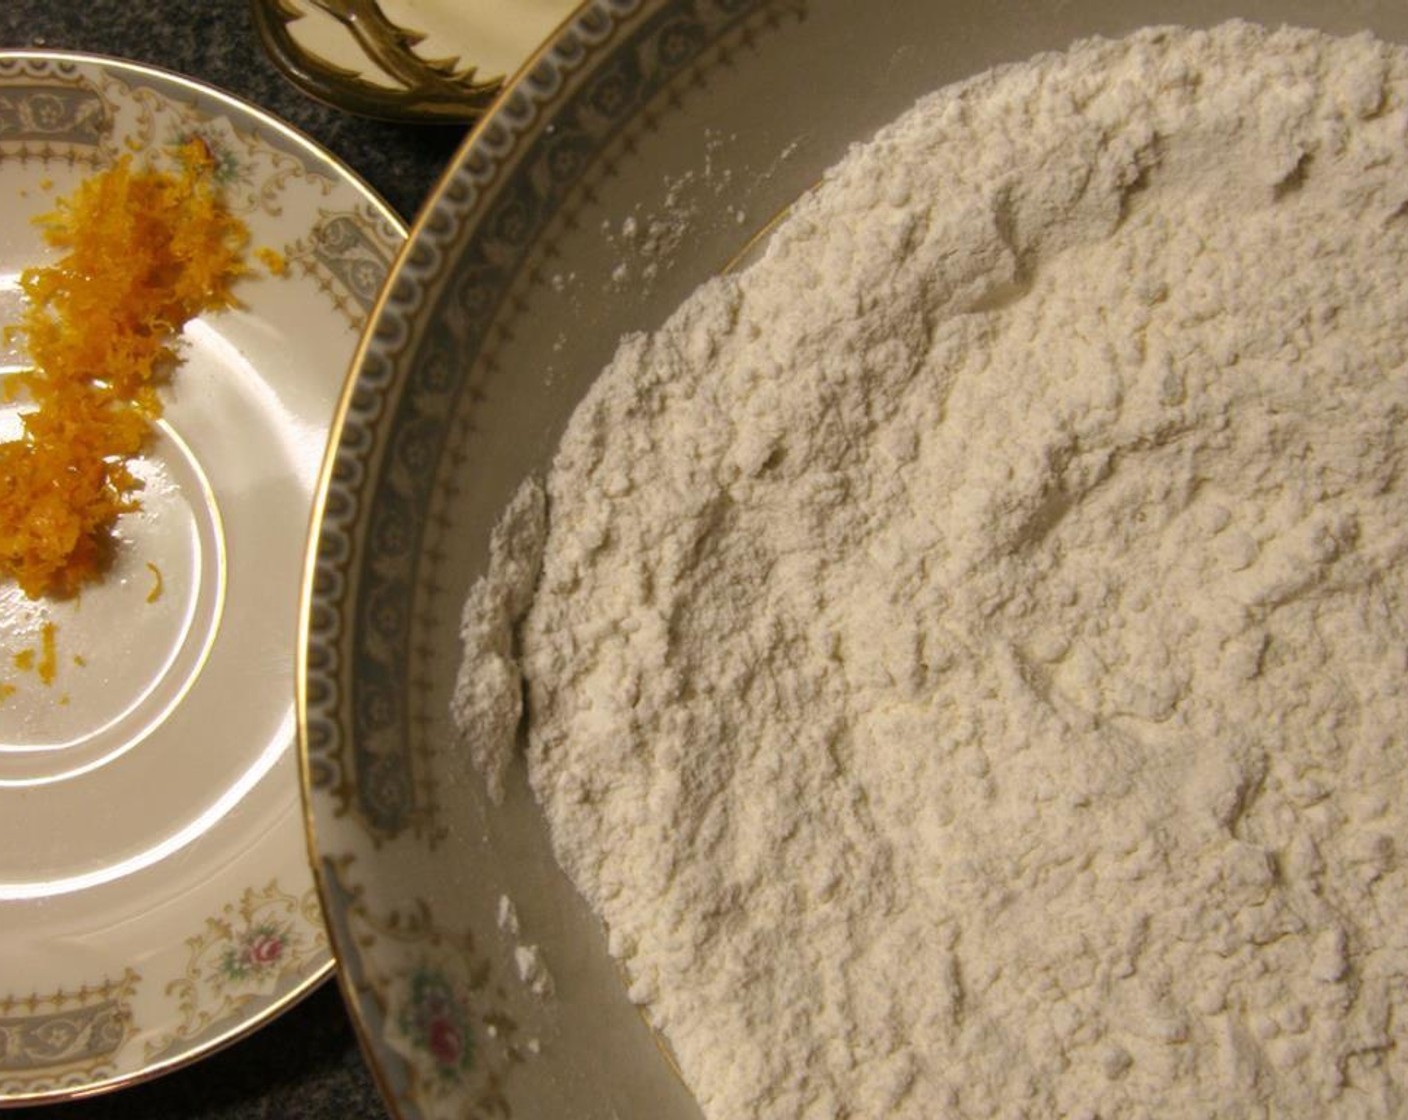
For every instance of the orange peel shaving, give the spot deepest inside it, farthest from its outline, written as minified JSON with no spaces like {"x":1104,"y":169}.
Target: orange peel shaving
{"x":49,"y":654}
{"x":145,"y":251}
{"x":158,"y":583}
{"x":273,"y":260}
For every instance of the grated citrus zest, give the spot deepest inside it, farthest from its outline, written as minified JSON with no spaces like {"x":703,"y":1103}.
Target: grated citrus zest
{"x":158,"y":583}
{"x":273,"y":260}
{"x":49,"y":653}
{"x":145,"y":251}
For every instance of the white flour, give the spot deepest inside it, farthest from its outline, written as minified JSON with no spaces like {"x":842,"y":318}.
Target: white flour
{"x":966,"y":669}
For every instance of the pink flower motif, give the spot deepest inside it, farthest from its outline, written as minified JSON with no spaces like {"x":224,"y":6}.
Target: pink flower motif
{"x":436,"y":1018}
{"x":265,"y":949}
{"x":257,"y":952}
{"x":445,"y":1042}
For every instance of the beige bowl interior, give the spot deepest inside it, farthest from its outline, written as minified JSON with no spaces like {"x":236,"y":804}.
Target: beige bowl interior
{"x":638,"y":156}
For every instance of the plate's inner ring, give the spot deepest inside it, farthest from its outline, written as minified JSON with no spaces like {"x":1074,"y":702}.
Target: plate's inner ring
{"x":147,"y":629}
{"x":169,"y":691}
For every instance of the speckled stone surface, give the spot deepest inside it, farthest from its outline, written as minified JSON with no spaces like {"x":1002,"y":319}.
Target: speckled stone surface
{"x":306,"y":1065}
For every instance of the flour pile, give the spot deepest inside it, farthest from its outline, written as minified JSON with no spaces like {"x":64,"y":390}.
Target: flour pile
{"x":966,"y":670}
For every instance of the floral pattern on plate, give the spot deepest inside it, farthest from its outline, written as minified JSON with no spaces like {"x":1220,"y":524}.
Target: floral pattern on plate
{"x":243,"y":955}
{"x":64,"y":1038}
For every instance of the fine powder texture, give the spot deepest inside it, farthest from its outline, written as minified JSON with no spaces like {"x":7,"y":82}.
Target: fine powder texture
{"x":966,"y":669}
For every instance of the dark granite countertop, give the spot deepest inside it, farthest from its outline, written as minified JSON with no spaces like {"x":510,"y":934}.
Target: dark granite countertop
{"x":306,"y":1064}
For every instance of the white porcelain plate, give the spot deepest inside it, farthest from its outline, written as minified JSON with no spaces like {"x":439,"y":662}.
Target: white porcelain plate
{"x":155,"y":893}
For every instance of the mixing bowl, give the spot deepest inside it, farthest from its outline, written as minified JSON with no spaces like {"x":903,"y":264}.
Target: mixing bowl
{"x":641,"y":151}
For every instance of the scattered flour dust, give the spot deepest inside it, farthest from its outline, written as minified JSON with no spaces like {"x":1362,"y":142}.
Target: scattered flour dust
{"x":966,"y":668}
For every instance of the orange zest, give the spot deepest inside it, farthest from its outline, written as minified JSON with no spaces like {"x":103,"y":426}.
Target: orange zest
{"x":273,"y":260}
{"x":44,"y":662}
{"x":158,"y":583}
{"x":49,"y":654}
{"x":144,"y":252}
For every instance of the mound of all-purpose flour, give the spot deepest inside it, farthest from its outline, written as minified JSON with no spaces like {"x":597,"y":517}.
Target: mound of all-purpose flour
{"x":966,"y":670}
